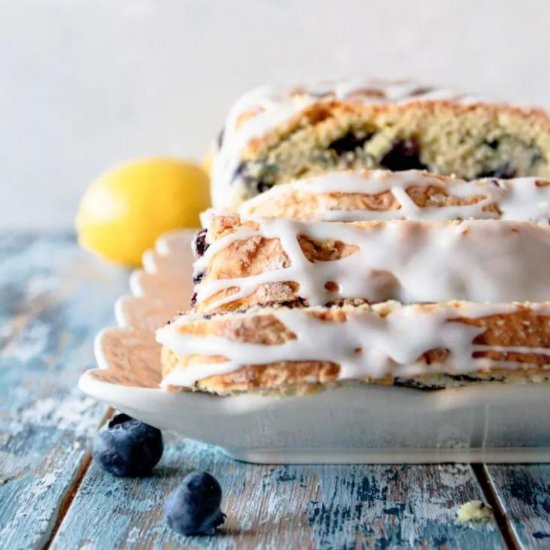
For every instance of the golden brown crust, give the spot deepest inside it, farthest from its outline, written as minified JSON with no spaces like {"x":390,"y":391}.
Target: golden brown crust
{"x":254,"y":255}
{"x":301,"y":378}
{"x":298,"y":203}
{"x":522,"y":327}
{"x":259,"y":329}
{"x":274,"y":376}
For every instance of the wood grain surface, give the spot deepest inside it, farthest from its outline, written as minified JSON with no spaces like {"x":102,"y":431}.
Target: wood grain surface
{"x":523,"y":492}
{"x":274,"y":507}
{"x":53,"y":299}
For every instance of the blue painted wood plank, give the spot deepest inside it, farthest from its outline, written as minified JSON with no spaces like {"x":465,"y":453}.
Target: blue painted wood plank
{"x":274,"y":507}
{"x":523,"y":491}
{"x":53,"y":299}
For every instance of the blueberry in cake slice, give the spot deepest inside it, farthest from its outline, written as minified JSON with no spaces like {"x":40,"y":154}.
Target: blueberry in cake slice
{"x":272,"y":135}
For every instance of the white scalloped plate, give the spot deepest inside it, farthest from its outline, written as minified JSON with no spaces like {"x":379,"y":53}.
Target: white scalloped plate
{"x":368,"y":424}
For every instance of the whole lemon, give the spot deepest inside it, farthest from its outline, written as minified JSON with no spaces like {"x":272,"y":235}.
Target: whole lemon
{"x":207,"y":162}
{"x":126,"y":209}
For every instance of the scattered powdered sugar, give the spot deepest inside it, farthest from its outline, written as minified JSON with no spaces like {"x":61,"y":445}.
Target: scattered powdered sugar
{"x":72,"y":412}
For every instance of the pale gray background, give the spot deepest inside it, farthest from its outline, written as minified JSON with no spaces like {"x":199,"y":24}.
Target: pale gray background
{"x":85,"y":84}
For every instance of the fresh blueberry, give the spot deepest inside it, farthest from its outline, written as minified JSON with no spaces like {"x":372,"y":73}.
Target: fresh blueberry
{"x":194,"y":507}
{"x":127,"y":447}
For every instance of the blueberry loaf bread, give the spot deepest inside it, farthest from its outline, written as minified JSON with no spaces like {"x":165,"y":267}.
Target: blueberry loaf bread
{"x":259,"y":262}
{"x":298,"y":350}
{"x":369,"y":233}
{"x":273,"y":136}
{"x":409,"y":195}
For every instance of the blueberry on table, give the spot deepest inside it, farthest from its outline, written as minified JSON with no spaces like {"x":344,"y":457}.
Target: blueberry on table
{"x":127,"y":447}
{"x":194,"y":507}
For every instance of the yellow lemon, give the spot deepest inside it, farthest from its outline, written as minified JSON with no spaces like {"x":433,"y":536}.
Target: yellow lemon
{"x":207,"y":161}
{"x":126,"y":209}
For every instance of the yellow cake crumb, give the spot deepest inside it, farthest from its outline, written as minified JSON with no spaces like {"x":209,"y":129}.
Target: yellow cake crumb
{"x":474,"y":510}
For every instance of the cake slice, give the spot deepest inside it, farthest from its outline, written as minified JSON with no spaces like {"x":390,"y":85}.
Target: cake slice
{"x":272,"y":136}
{"x":297,"y":350}
{"x":259,"y":262}
{"x":409,"y":195}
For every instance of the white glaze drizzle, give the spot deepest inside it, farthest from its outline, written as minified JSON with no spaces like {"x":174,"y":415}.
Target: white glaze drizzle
{"x":409,"y":261}
{"x":519,"y":199}
{"x":272,"y":106}
{"x":390,"y":344}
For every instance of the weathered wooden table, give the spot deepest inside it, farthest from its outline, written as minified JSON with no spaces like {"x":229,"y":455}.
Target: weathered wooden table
{"x":53,"y":299}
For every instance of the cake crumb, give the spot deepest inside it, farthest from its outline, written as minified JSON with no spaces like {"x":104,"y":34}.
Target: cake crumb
{"x":473,"y":511}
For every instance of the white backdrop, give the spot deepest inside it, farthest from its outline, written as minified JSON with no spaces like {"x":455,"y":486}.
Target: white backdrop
{"x":85,"y":84}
